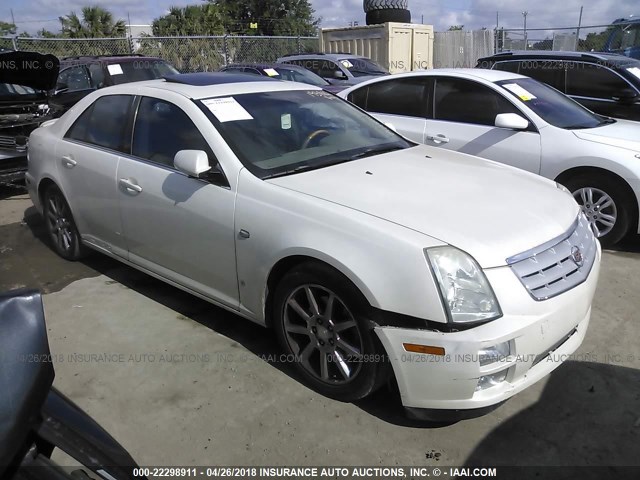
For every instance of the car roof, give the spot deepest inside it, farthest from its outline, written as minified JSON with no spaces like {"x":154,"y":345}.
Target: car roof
{"x":266,"y":65}
{"x":489,"y":75}
{"x":106,"y":59}
{"x":330,"y":56}
{"x":210,"y":85}
{"x":595,"y":57}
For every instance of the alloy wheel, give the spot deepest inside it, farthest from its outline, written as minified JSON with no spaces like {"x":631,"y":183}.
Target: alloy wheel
{"x":323,"y":334}
{"x":599,"y":208}
{"x":60,"y":227}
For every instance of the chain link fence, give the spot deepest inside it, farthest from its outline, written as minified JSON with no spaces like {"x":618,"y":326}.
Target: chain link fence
{"x":461,"y":49}
{"x":187,"y":54}
{"x":595,"y":38}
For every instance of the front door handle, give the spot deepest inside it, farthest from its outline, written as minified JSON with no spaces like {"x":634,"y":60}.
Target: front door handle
{"x":68,"y":162}
{"x":438,"y":139}
{"x":130,"y":187}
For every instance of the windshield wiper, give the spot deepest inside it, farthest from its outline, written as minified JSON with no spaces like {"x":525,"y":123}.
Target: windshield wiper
{"x":376,"y":151}
{"x":298,"y":169}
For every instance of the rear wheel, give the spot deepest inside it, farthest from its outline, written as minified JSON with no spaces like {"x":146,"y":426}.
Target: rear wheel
{"x":319,"y":320}
{"x":606,"y":204}
{"x":61,"y":227}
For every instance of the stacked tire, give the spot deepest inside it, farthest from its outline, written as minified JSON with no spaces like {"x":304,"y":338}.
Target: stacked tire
{"x":382,"y":11}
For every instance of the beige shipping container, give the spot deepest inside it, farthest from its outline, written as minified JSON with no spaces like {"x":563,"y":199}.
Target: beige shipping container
{"x":398,"y":47}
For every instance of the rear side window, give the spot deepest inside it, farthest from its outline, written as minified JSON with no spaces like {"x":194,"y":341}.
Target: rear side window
{"x":506,"y":66}
{"x":104,"y":123}
{"x":549,"y":72}
{"x":406,"y":96}
{"x":162,"y":129}
{"x":595,"y":81}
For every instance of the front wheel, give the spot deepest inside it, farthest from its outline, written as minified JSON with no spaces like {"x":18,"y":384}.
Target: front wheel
{"x":61,"y":227}
{"x":319,"y":320}
{"x":606,"y":204}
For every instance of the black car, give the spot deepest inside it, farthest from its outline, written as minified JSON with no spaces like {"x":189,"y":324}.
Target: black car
{"x":79,"y":76}
{"x":26,"y":78}
{"x":606,"y":83}
{"x":280,"y":71}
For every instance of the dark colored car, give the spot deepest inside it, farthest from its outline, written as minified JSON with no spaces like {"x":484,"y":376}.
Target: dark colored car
{"x":25,"y":81}
{"x":279,"y":71}
{"x":605,"y":83}
{"x":79,"y":76}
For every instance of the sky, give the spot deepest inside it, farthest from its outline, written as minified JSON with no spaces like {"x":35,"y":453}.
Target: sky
{"x":33,"y":15}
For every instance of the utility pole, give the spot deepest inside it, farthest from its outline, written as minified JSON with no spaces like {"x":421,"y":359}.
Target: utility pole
{"x":578,"y":31}
{"x":496,"y":47}
{"x":524,"y":14}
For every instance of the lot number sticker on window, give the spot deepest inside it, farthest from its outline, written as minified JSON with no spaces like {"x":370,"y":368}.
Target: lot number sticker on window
{"x":520,"y":92}
{"x":271,"y":72}
{"x":115,"y":69}
{"x":227,"y":109}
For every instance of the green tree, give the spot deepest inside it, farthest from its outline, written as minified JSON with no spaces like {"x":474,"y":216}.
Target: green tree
{"x":95,"y":22}
{"x":191,"y":20}
{"x":7,"y":28}
{"x":268,"y":17}
{"x":455,"y":27}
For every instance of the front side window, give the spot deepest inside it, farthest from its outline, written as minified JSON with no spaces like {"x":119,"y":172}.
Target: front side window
{"x":104,"y":123}
{"x":74,"y":78}
{"x":465,"y":101}
{"x":162,"y":129}
{"x":285,"y":132}
{"x":550,"y":105}
{"x":595,"y":81}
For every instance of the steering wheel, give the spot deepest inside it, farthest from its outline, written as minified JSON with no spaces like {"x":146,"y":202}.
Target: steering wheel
{"x":313,"y":135}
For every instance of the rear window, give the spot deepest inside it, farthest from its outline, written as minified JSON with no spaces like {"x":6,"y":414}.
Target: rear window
{"x":139,"y":70}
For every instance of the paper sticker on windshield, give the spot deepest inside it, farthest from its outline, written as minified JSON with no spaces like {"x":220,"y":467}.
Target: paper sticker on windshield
{"x":634,"y":71}
{"x":227,"y":109}
{"x":346,"y":64}
{"x":115,"y":69}
{"x":520,"y":92}
{"x":285,"y":121}
{"x":271,"y":72}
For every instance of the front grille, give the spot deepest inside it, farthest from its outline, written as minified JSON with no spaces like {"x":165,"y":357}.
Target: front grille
{"x":550,"y":270}
{"x":7,"y":141}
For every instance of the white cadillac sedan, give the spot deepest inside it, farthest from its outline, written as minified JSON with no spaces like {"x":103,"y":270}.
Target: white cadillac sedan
{"x":369,"y":255}
{"x":521,"y":122}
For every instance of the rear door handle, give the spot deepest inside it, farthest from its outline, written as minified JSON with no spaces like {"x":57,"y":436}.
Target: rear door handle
{"x":438,"y":139}
{"x":130,"y":187}
{"x":68,"y":162}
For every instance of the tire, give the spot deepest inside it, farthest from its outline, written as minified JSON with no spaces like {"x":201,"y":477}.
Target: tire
{"x":377,"y":17}
{"x":355,"y":363}
{"x":370,"y":5}
{"x":606,"y":202}
{"x":60,"y":225}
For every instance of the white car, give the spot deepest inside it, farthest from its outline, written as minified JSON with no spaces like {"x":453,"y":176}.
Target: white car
{"x":368,"y":254}
{"x":521,"y":122}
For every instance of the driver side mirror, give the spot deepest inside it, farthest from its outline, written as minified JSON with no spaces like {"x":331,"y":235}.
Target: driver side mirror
{"x":61,"y":88}
{"x":512,"y":121}
{"x":627,"y":96}
{"x":192,"y":162}
{"x":339,"y":75}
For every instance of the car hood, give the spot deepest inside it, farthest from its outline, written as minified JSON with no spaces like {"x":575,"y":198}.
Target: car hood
{"x":30,"y":69}
{"x":622,"y":133}
{"x":489,"y":210}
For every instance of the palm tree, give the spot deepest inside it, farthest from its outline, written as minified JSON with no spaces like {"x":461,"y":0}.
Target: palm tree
{"x":96,"y":22}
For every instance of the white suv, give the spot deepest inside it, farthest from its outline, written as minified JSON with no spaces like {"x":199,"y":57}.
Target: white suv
{"x":369,"y":255}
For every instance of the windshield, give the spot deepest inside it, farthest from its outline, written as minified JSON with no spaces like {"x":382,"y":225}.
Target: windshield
{"x":285,"y":132}
{"x":304,"y":76}
{"x":551,"y":105}
{"x":139,"y":70}
{"x":362,"y":66}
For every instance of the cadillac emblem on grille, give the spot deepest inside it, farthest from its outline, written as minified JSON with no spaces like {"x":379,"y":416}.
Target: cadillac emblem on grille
{"x":576,"y":256}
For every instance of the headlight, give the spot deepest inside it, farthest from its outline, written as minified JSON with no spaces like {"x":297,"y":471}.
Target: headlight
{"x":466,"y":293}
